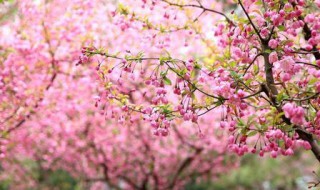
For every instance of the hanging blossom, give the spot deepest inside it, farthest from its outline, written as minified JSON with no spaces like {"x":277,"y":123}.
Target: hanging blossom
{"x":258,"y":67}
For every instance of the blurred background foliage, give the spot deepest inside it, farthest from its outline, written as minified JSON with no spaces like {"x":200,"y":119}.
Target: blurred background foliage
{"x":285,"y":173}
{"x":8,"y":8}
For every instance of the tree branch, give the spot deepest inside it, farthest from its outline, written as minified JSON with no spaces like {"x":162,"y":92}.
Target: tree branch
{"x":200,"y":6}
{"x":272,"y":91}
{"x":251,"y":22}
{"x":183,"y":166}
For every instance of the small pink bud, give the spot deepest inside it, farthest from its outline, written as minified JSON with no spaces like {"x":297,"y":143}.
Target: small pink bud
{"x":273,"y":43}
{"x":261,"y":153}
{"x":306,"y":145}
{"x":289,"y":152}
{"x":274,"y":154}
{"x":273,"y":57}
{"x":231,"y":140}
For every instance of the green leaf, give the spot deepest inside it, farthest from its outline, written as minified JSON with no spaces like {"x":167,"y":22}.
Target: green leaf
{"x":193,"y":74}
{"x":164,"y":73}
{"x":127,"y":57}
{"x":123,"y":9}
{"x":281,"y":96}
{"x":267,"y":51}
{"x":313,"y":81}
{"x":164,"y":59}
{"x":281,"y":28}
{"x":197,"y":66}
{"x":162,"y":29}
{"x":182,"y":72}
{"x":232,"y":63}
{"x":167,"y":81}
{"x":255,"y":69}
{"x":241,"y":123}
{"x":235,"y":75}
{"x":278,"y":116}
{"x":259,"y":3}
{"x":252,"y":133}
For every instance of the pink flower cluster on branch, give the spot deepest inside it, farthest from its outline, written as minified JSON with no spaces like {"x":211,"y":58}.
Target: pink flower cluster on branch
{"x":264,"y":77}
{"x":56,"y":116}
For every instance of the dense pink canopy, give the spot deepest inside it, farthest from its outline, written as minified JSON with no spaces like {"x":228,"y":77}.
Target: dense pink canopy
{"x":54,"y":113}
{"x":144,"y":94}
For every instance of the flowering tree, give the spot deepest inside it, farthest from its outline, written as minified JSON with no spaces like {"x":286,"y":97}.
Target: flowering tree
{"x":163,"y":76}
{"x":260,"y":69}
{"x":51,"y":118}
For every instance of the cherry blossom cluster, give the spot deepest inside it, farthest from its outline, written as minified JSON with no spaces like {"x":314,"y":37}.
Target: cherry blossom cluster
{"x":264,"y":77}
{"x":58,"y":112}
